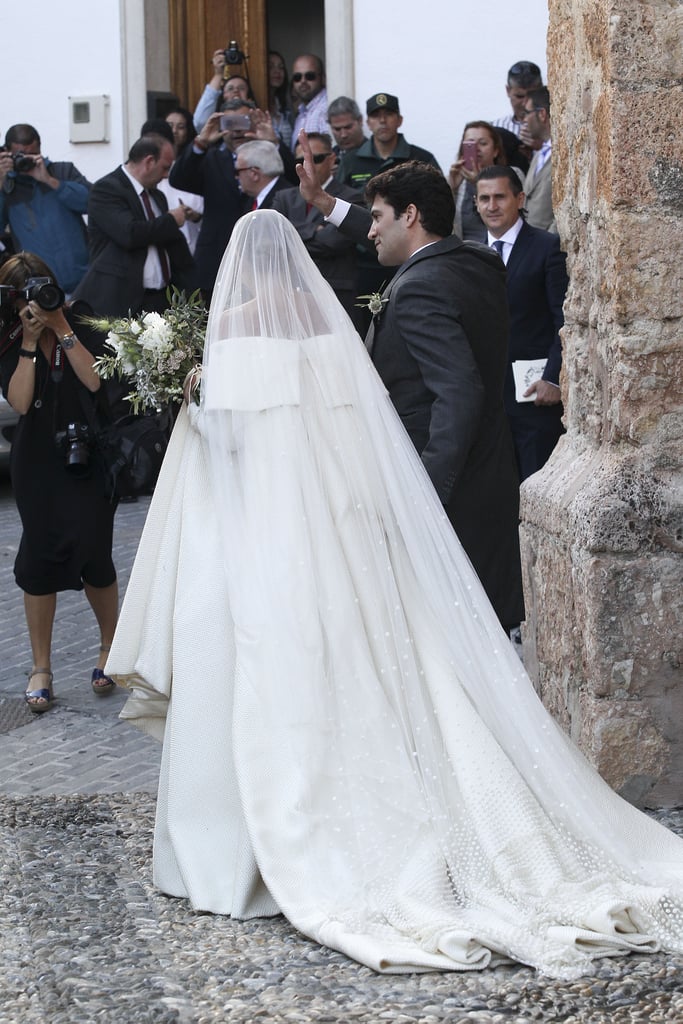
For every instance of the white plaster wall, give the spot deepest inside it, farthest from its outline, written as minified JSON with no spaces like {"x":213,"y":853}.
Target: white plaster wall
{"x":75,"y":50}
{"x":446,"y":60}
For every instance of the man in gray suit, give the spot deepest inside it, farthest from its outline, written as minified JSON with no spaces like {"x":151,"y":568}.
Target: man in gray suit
{"x":538,"y":186}
{"x":439,"y":342}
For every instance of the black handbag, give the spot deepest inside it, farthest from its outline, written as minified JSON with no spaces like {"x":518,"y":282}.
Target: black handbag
{"x":131,"y":450}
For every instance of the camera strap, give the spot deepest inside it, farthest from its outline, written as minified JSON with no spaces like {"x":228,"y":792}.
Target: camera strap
{"x":57,"y":363}
{"x":55,"y":373}
{"x":12,"y":334}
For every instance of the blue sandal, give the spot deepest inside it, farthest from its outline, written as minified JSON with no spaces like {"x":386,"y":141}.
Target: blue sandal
{"x":45,"y":695}
{"x":102,"y":685}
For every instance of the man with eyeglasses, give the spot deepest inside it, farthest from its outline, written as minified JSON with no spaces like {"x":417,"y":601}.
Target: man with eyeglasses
{"x":308,"y":89}
{"x":538,"y":186}
{"x":335,"y":255}
{"x":259,"y":169}
{"x":207,"y":167}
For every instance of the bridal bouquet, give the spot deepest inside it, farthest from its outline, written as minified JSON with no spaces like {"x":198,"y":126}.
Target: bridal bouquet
{"x":154,"y":351}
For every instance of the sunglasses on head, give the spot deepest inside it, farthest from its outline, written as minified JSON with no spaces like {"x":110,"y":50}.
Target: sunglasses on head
{"x":310,"y":76}
{"x":317,"y":159}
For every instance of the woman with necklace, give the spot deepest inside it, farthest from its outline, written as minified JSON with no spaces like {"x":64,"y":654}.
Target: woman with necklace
{"x":47,"y":375}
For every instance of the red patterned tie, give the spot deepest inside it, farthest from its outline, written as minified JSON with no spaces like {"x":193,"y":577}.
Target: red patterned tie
{"x":163,"y":255}
{"x":254,"y":205}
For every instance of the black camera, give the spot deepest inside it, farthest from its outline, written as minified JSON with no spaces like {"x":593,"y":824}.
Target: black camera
{"x":233,"y":54}
{"x":42,"y":290}
{"x":23,"y":162}
{"x":74,"y":444}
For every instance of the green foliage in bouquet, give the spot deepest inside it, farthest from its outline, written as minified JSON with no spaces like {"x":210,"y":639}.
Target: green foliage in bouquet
{"x":154,"y":351}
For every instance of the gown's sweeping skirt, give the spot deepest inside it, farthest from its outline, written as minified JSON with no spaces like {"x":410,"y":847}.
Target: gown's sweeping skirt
{"x":349,"y":738}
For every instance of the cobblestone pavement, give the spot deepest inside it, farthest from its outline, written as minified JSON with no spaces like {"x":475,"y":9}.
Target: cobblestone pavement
{"x":85,"y":937}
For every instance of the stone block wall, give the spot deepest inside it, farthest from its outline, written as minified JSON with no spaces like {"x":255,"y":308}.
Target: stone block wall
{"x":602,"y":523}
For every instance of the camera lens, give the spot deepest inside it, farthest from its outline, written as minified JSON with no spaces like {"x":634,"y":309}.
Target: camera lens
{"x":48,"y":296}
{"x":23,"y":163}
{"x":77,"y":460}
{"x":233,"y":54}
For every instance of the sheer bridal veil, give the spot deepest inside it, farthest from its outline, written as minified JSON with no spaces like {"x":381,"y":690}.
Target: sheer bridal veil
{"x":419,"y":777}
{"x":407,"y":798}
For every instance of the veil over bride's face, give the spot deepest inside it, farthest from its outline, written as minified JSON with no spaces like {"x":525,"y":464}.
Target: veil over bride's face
{"x":268,"y":286}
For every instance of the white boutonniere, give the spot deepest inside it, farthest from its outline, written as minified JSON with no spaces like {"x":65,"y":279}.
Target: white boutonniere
{"x":374,"y":302}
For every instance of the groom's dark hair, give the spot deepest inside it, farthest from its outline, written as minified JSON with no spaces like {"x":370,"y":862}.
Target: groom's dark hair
{"x":422,"y":185}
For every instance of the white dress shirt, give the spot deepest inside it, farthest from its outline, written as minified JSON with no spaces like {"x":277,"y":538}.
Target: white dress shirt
{"x":508,"y":239}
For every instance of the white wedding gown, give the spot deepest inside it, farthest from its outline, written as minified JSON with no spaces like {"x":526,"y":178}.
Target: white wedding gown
{"x":349,"y":738}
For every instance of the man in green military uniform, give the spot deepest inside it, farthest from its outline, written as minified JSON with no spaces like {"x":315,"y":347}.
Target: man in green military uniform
{"x":385,"y":148}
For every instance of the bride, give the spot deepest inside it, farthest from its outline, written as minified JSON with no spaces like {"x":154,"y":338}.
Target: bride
{"x":348,"y":736}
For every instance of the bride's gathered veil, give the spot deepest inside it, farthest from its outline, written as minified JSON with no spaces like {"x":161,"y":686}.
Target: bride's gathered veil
{"x":407,"y":798}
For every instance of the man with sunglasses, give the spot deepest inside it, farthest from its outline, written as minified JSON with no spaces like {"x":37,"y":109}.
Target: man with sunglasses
{"x":308,"y":89}
{"x":335,"y":255}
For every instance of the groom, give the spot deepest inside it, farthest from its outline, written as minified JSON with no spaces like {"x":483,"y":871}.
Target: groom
{"x":440,"y":346}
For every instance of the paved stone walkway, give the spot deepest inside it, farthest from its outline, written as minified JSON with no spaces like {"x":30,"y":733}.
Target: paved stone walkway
{"x":80,"y":746}
{"x":85,"y":937}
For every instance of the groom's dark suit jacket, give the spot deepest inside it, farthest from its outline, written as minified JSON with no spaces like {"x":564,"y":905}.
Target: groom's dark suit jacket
{"x":440,"y":347}
{"x":119,"y":236}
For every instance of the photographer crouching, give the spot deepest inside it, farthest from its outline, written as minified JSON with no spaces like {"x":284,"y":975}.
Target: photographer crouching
{"x":47,"y":376}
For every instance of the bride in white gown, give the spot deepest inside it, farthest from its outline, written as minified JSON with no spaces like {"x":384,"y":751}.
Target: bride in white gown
{"x":349,"y":737}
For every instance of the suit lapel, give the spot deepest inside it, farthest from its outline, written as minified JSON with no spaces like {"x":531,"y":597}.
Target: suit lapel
{"x":370,"y":337}
{"x":443,"y":245}
{"x":160,"y":199}
{"x":534,"y":180}
{"x":522,"y":243}
{"x":133,"y":198}
{"x":385,"y":295}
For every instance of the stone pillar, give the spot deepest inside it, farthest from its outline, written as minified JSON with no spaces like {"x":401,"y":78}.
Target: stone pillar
{"x":602,"y":523}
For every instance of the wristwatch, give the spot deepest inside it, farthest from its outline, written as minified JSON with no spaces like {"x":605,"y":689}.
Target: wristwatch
{"x":68,"y":341}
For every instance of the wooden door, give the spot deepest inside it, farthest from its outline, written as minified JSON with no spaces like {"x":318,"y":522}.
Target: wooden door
{"x":198,"y":27}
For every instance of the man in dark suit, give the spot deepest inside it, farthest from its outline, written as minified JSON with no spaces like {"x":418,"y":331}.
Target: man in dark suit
{"x":136,"y":246}
{"x":334,"y":255}
{"x":439,"y":345}
{"x":207,"y":167}
{"x":536,"y":286}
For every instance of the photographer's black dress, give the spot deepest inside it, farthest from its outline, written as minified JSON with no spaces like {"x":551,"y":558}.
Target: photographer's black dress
{"x":67,"y":521}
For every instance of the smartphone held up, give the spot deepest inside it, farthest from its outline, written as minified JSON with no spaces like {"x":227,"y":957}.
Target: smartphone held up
{"x":470,"y":156}
{"x":235,"y":122}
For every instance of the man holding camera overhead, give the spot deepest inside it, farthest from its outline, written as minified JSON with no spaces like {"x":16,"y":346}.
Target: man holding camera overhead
{"x":207,"y":168}
{"x":43,"y":203}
